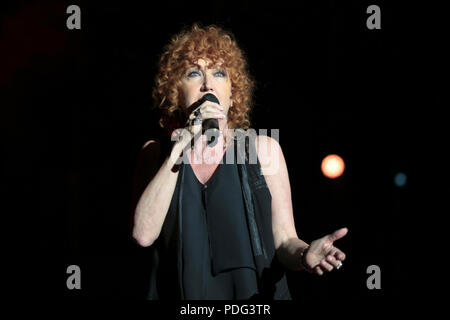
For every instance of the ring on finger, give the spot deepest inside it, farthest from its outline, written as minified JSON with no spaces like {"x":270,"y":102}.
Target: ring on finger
{"x":198,"y":112}
{"x":326,"y":265}
{"x":198,"y":119}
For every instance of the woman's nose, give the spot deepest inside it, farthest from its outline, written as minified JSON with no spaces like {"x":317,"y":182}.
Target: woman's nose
{"x":206,"y":84}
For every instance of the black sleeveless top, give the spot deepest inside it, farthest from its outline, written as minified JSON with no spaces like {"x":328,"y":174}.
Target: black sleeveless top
{"x":216,"y":241}
{"x":217,"y":255}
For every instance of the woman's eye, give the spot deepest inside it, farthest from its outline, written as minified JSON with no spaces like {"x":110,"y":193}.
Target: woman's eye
{"x":220,"y":73}
{"x":193,"y":74}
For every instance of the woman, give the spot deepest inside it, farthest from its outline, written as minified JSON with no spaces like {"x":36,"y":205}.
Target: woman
{"x":218,"y":229}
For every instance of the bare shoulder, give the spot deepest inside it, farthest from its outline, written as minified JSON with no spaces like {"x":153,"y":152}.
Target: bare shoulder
{"x":262,"y":139}
{"x":266,"y":146}
{"x":150,"y":152}
{"x":151,"y":144}
{"x":270,"y":156}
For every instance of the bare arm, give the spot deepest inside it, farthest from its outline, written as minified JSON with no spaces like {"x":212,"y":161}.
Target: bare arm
{"x":153,"y":204}
{"x":288,"y":246}
{"x":321,"y":256}
{"x":152,"y":207}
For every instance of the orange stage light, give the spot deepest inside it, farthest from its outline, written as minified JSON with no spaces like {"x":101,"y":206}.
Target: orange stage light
{"x":333,"y":166}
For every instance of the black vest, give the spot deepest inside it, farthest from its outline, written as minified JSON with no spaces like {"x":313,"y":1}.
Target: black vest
{"x":166,"y":251}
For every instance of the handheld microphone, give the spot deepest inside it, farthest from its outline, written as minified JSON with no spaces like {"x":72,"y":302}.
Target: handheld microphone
{"x":210,"y":126}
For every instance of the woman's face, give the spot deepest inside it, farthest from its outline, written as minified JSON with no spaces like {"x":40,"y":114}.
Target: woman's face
{"x":202,"y":78}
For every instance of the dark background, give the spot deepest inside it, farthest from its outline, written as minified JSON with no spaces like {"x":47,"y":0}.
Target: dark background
{"x":77,"y":109}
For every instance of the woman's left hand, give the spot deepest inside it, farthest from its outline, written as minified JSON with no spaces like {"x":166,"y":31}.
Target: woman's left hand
{"x":322,"y":256}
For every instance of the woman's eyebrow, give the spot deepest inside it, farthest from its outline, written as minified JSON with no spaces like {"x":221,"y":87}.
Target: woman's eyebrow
{"x":198,"y":67}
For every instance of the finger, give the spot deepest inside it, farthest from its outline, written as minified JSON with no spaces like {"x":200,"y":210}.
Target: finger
{"x":213,"y":115}
{"x":191,"y":123}
{"x":211,"y":104}
{"x":339,"y":255}
{"x":338,"y":234}
{"x":211,"y":108}
{"x":193,"y":127}
{"x":318,"y":270}
{"x":203,"y":108}
{"x":333,"y":261}
{"x":325,"y":265}
{"x":206,"y":113}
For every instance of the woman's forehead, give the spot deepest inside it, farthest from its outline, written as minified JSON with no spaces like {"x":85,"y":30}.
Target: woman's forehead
{"x":206,"y":62}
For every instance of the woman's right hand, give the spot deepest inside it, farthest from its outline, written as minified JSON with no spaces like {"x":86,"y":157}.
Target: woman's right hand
{"x":193,"y":128}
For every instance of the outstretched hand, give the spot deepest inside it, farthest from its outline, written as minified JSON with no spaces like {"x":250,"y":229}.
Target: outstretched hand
{"x":322,"y":255}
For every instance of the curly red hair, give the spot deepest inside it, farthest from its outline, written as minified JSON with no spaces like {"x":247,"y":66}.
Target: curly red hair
{"x":184,"y":49}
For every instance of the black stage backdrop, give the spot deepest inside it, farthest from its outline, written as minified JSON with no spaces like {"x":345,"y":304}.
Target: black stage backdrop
{"x":77,"y":109}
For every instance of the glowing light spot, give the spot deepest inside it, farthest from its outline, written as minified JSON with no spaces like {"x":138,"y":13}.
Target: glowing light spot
{"x":333,"y":166}
{"x":400,"y":179}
